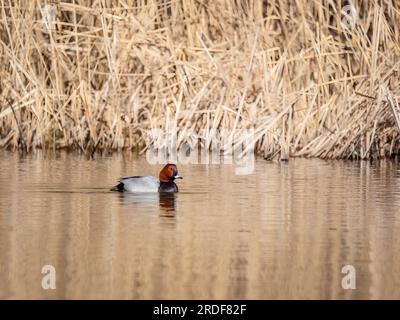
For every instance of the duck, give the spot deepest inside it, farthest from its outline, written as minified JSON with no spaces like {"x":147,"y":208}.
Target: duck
{"x":164,"y":182}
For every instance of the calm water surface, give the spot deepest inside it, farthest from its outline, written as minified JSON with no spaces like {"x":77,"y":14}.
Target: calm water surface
{"x":283,"y":232}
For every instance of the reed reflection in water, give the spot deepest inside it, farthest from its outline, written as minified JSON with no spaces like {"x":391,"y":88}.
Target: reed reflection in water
{"x":284,"y":231}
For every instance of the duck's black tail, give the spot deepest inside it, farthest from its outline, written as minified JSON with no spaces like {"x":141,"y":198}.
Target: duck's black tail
{"x":119,"y":187}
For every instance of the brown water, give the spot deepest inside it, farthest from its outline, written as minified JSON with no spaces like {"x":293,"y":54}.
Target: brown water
{"x":285,"y":231}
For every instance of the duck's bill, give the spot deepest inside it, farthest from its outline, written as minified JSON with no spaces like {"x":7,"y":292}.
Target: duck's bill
{"x":178,"y":177}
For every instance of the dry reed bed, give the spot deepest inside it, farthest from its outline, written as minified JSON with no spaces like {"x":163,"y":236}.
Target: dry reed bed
{"x":111,"y":70}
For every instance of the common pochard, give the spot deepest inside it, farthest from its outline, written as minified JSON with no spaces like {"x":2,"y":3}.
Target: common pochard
{"x":164,"y":182}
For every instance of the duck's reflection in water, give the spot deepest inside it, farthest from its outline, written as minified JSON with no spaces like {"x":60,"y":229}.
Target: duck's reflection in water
{"x":167,"y":203}
{"x":165,"y":200}
{"x":145,"y":199}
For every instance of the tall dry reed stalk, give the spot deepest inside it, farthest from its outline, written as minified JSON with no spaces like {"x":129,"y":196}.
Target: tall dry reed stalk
{"x":113,"y":69}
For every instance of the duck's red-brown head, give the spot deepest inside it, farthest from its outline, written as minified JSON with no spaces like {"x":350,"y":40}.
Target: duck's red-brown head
{"x":169,"y":173}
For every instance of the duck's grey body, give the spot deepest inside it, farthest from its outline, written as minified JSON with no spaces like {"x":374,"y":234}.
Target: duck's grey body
{"x":138,"y":184}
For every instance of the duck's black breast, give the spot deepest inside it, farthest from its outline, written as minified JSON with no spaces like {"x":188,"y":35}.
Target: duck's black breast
{"x":168,"y":187}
